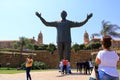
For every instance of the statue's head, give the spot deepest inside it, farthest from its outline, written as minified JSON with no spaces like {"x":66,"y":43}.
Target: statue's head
{"x":63,"y":14}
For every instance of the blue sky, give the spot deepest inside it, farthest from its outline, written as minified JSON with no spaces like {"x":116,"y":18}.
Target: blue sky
{"x":17,"y":17}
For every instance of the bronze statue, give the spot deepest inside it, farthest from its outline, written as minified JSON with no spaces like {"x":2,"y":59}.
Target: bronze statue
{"x":63,"y":32}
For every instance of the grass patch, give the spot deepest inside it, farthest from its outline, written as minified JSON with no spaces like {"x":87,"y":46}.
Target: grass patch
{"x":10,"y":71}
{"x":119,"y":70}
{"x":14,"y":70}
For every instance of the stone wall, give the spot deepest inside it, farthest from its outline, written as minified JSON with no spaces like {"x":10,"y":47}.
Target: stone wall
{"x":51,"y":60}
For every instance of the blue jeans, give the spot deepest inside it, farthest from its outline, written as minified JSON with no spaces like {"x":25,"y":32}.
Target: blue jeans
{"x":103,"y":76}
{"x":68,"y":69}
{"x":28,"y":73}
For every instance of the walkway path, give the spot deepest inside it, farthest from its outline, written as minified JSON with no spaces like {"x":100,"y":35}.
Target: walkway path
{"x":45,"y":75}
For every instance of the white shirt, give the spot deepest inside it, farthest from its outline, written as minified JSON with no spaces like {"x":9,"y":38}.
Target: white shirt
{"x":61,"y":64}
{"x":108,"y":62}
{"x":90,"y":64}
{"x":68,"y":64}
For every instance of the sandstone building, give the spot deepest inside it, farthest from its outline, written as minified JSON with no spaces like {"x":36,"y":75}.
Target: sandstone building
{"x":9,"y":43}
{"x":115,"y":43}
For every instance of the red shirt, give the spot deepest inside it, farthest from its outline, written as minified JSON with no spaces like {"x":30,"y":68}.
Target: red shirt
{"x":64,"y":62}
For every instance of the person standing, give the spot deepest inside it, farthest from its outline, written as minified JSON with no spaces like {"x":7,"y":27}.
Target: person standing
{"x":107,"y":61}
{"x":90,"y":65}
{"x":63,"y":32}
{"x":29,"y":62}
{"x":68,"y":68}
{"x":65,"y":62}
{"x":61,"y":66}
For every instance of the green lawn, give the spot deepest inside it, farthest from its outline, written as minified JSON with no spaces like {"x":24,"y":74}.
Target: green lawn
{"x":14,"y":70}
{"x":119,"y":70}
{"x":10,"y":71}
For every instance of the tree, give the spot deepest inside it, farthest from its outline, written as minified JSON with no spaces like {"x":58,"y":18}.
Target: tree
{"x":51,"y":48}
{"x":30,"y":46}
{"x":76,"y":48}
{"x":109,"y":29}
{"x":82,"y":46}
{"x":94,"y":34}
{"x":15,"y":45}
{"x":22,"y":42}
{"x":95,"y":45}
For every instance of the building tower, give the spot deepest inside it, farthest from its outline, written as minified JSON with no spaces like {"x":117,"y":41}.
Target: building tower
{"x":86,"y":38}
{"x":40,"y":38}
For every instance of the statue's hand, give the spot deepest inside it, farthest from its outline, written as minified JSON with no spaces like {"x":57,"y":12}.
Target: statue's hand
{"x":38,"y":15}
{"x":89,"y":16}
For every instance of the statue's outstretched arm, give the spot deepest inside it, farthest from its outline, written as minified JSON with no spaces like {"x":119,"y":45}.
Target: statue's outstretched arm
{"x":79,"y":24}
{"x":44,"y":21}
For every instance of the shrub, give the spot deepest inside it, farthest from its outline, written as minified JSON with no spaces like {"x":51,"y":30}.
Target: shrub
{"x":36,"y":65}
{"x":76,"y":47}
{"x":51,"y":48}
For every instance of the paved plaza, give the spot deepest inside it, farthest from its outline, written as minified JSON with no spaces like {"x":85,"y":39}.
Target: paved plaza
{"x":46,"y":75}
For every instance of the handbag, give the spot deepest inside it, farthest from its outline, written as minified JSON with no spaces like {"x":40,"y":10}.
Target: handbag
{"x":94,"y":74}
